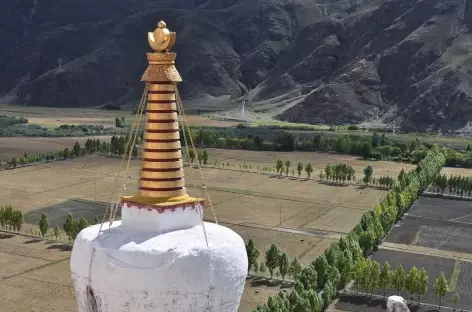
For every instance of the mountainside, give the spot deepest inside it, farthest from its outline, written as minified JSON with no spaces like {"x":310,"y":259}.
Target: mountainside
{"x":332,"y":62}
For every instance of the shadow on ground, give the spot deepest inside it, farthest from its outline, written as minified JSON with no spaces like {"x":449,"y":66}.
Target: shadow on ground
{"x":61,"y":247}
{"x":258,"y":281}
{"x":32,"y":241}
{"x":6,"y":236}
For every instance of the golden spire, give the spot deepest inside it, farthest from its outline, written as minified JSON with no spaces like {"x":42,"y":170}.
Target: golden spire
{"x":161,"y":179}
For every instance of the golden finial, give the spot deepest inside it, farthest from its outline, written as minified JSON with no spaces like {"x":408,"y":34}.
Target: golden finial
{"x":161,"y":40}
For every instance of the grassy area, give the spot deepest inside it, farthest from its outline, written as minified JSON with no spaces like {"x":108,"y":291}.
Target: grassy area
{"x":292,"y":126}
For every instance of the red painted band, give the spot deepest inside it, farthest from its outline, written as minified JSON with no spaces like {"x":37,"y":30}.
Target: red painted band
{"x":157,"y":111}
{"x":162,"y":131}
{"x":161,"y":141}
{"x":161,"y":101}
{"x":161,"y":92}
{"x":161,"y":170}
{"x":161,"y":150}
{"x":161,"y":180}
{"x":161,"y":209}
{"x":161,"y":120}
{"x":169,"y":189}
{"x":161,"y":160}
{"x":161,"y":82}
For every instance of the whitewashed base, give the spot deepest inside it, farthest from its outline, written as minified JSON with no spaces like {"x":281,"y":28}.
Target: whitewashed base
{"x":135,"y":270}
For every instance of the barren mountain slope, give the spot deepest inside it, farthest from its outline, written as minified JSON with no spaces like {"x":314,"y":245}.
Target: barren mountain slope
{"x":345,"y":61}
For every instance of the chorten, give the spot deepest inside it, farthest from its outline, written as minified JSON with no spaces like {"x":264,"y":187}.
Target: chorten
{"x":161,"y":256}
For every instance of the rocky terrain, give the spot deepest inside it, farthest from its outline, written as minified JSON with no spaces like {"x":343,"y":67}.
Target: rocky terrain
{"x":312,"y":61}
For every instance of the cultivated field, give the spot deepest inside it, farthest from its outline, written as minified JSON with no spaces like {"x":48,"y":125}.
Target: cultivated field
{"x":350,"y":302}
{"x":436,"y":223}
{"x":434,"y":266}
{"x":317,"y":159}
{"x":448,"y":171}
{"x":434,"y":234}
{"x":238,"y":197}
{"x":39,"y":271}
{"x":52,"y":117}
{"x":302,"y":217}
{"x":17,"y":146}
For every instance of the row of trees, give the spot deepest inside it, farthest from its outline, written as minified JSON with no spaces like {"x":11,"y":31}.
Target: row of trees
{"x":116,"y":146}
{"x":120,"y":122}
{"x":385,"y":182}
{"x":338,"y":173}
{"x":276,"y":262}
{"x":369,"y":277}
{"x":202,"y":157}
{"x":11,"y":218}
{"x":456,"y":184}
{"x":459,"y":158}
{"x":71,"y":226}
{"x":283,"y":167}
{"x":332,"y":270}
{"x":377,"y":147}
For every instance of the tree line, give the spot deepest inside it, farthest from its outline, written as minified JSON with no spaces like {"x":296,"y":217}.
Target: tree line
{"x":368,"y":277}
{"x":201,"y":156}
{"x":459,"y":158}
{"x":338,"y":173}
{"x":330,"y":272}
{"x":276,"y":262}
{"x":11,"y":218}
{"x":455,"y":184}
{"x":116,"y":146}
{"x":283,"y":167}
{"x":377,"y":146}
{"x":72,"y":226}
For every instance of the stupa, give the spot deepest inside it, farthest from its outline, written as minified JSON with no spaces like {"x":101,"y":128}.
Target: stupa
{"x":397,"y":304}
{"x":161,"y":256}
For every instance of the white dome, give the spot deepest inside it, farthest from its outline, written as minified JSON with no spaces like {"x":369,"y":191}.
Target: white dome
{"x":396,"y":304}
{"x":163,"y":270}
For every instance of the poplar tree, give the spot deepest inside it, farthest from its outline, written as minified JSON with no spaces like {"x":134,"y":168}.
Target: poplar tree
{"x":373,"y":275}
{"x":422,"y":283}
{"x":385,"y":279}
{"x":205,"y":157}
{"x":411,"y":283}
{"x":440,"y":287}
{"x":287,"y":166}
{"x":284,"y":265}
{"x":299,"y":169}
{"x":56,"y":232}
{"x":279,"y":165}
{"x":295,"y":268}
{"x":81,"y":224}
{"x":43,"y":225}
{"x":398,"y":279}
{"x":309,"y":170}
{"x":272,"y":259}
{"x":70,"y":227}
{"x":191,"y":155}
{"x":252,"y":254}
{"x":455,"y":300}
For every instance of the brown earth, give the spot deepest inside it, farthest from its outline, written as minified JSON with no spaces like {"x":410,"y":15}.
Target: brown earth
{"x":238,"y":197}
{"x":56,"y":116}
{"x":252,"y":204}
{"x":48,"y":285}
